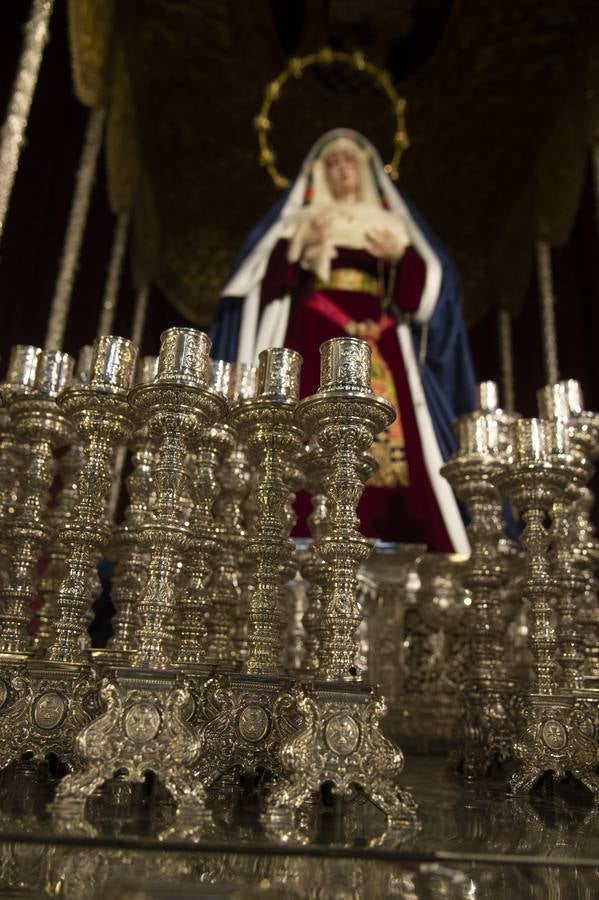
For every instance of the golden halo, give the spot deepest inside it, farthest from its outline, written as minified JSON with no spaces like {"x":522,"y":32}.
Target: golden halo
{"x":326,"y":56}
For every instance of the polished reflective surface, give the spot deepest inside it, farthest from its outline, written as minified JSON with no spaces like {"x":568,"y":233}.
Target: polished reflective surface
{"x":476,"y":841}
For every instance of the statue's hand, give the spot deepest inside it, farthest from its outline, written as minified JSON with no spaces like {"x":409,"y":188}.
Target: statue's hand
{"x":309,"y":238}
{"x":384,"y":244}
{"x":317,"y":231}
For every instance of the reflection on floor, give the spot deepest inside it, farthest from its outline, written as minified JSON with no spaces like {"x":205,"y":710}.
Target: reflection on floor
{"x":476,"y":841}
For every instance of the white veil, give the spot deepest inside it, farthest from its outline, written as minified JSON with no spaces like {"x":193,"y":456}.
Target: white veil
{"x":255,"y":335}
{"x":321,"y":193}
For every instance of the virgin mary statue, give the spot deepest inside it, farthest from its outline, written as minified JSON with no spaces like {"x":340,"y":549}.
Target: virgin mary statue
{"x":344,"y":253}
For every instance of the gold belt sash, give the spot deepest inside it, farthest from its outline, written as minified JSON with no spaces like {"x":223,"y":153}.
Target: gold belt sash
{"x":350,"y":280}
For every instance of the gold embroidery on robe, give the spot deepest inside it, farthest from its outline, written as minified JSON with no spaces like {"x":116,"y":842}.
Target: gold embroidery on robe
{"x":389,"y":448}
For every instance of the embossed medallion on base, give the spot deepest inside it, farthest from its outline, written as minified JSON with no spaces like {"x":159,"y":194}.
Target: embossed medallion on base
{"x":244,"y":721}
{"x":555,"y":742}
{"x":143,"y":729}
{"x":44,"y":706}
{"x":340,"y":743}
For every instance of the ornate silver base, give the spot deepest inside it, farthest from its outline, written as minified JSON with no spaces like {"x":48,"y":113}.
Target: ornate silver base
{"x":487,"y":728}
{"x":340,"y":744}
{"x":554,"y":741}
{"x":43,"y":706}
{"x":244,"y":721}
{"x":143,"y":729}
{"x":587,"y":698}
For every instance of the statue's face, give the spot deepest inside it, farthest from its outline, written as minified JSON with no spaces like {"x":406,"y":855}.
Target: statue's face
{"x":343,"y":176}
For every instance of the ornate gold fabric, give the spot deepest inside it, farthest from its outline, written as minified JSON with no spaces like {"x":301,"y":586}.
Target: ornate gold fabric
{"x":389,"y":447}
{"x":350,"y":280}
{"x":495,"y":164}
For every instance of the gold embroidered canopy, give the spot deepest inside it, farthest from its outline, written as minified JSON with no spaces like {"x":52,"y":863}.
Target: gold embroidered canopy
{"x":501,"y":115}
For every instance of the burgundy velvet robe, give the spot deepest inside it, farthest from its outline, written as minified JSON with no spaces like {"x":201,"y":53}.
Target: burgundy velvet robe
{"x":403,"y":513}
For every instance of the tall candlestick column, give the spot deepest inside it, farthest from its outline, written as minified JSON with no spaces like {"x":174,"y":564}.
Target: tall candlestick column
{"x":340,"y":741}
{"x":313,"y":568}
{"x":583,"y":433}
{"x":130,"y":557}
{"x":344,"y":416}
{"x":178,"y":407}
{"x":237,"y":469}
{"x":485,"y":725}
{"x":529,"y":482}
{"x":266,"y":425}
{"x":39,"y":423}
{"x":568,"y":576}
{"x":45,"y":703}
{"x":69,"y":466}
{"x":223,"y":587}
{"x":196,"y":610}
{"x":549,"y":738}
{"x":19,"y":378}
{"x":144,"y":725}
{"x":193,"y":604}
{"x":101,"y":414}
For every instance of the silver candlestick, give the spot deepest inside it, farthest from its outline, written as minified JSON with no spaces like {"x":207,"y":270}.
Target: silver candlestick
{"x":340,"y":741}
{"x":204,"y":633}
{"x":236,"y":475}
{"x":486,"y":733}
{"x":224,"y":591}
{"x":344,"y":416}
{"x":20,"y":376}
{"x":69,"y":466}
{"x":550,"y":738}
{"x":267,"y":428}
{"x":314,"y":568}
{"x":39,"y":423}
{"x":101,"y":414}
{"x":46,"y":705}
{"x":144,"y":726}
{"x":178,"y":406}
{"x":130,"y":557}
{"x":569,"y":579}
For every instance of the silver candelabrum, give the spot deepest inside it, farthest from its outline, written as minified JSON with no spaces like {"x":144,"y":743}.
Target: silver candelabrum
{"x":129,"y":555}
{"x":550,"y":739}
{"x":273,"y":441}
{"x":48,"y":700}
{"x":19,"y":379}
{"x":146,"y":705}
{"x":486,"y":729}
{"x":196,"y":684}
{"x":101,"y":414}
{"x":39,"y":423}
{"x":340,"y":741}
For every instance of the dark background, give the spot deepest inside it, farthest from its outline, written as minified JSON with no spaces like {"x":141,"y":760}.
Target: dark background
{"x":31,"y":245}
